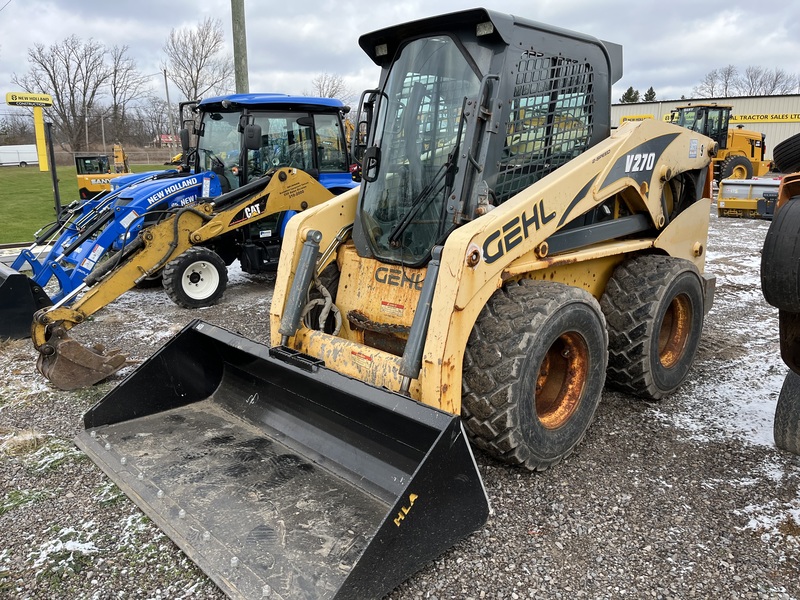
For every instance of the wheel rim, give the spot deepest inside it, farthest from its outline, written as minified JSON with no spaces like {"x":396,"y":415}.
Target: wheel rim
{"x":561,"y":379}
{"x":739,"y":172}
{"x":675,"y":329}
{"x":200,"y":280}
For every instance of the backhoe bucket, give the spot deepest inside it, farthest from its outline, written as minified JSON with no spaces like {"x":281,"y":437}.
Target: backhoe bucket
{"x":20,"y":298}
{"x":281,"y":478}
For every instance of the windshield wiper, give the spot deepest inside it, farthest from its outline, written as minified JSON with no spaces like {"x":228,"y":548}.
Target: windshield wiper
{"x":419,"y":203}
{"x":448,"y":168}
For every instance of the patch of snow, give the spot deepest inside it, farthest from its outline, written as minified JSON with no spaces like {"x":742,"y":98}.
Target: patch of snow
{"x":767,"y":518}
{"x":67,"y":542}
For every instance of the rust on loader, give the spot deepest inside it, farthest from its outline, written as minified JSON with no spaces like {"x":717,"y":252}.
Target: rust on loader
{"x":281,"y":478}
{"x":69,"y":365}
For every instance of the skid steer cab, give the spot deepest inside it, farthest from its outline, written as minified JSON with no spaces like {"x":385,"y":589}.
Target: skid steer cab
{"x":504,"y":256}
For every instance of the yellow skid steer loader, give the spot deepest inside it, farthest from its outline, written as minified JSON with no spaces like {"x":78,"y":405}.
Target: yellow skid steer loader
{"x":504,"y":256}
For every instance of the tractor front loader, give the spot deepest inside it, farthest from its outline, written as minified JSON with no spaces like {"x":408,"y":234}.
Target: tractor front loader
{"x":504,"y":256}
{"x":183,"y":241}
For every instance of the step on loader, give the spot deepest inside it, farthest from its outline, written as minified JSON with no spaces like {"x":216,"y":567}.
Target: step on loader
{"x":505,"y":255}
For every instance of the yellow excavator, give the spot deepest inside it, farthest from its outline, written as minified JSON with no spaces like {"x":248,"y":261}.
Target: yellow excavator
{"x":95,"y":171}
{"x":504,"y":257}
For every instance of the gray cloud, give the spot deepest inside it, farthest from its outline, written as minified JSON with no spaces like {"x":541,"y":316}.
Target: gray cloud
{"x":669,"y":46}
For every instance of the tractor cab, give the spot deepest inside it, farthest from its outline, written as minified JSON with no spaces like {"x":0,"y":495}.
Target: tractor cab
{"x":742,"y":152}
{"x":707,"y":119}
{"x":243,"y":136}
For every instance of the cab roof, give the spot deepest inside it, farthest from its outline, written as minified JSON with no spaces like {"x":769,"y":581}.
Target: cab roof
{"x":272,"y":101}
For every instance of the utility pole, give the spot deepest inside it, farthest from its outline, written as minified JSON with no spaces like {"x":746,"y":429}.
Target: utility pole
{"x":239,"y":47}
{"x":169,"y":109}
{"x":86,"y":123}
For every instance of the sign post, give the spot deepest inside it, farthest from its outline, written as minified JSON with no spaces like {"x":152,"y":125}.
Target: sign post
{"x":37,"y":101}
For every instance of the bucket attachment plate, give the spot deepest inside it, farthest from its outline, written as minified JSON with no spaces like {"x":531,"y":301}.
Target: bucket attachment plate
{"x":20,"y":298}
{"x":69,"y":365}
{"x":281,"y":478}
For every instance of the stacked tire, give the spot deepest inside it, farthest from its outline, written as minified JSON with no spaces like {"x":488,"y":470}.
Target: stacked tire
{"x":786,"y":155}
{"x":780,"y":284}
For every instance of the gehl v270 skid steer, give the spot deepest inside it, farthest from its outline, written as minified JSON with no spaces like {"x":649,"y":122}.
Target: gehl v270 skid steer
{"x":504,"y":252}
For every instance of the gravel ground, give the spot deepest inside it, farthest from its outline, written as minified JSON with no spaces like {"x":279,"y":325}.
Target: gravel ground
{"x":684,"y":498}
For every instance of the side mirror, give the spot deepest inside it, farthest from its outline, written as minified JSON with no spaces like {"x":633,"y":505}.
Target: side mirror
{"x":252,"y":136}
{"x":184,"y":135}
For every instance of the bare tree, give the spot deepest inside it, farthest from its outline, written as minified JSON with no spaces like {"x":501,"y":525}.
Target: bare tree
{"x":73,"y":72}
{"x":17,"y":128}
{"x":152,"y":117}
{"x":710,"y":86}
{"x":326,"y":85}
{"x":755,"y":81}
{"x":751,"y":83}
{"x":778,"y":81}
{"x":126,"y":86}
{"x":728,"y":78}
{"x":195,"y":63}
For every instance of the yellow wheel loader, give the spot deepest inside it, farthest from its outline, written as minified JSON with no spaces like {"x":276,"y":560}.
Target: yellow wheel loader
{"x":504,"y":256}
{"x":182,"y":246}
{"x":742,"y":152}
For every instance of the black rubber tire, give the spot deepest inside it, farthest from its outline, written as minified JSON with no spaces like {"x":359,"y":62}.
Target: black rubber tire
{"x":523,"y":401}
{"x":786,"y":155}
{"x":196,"y":279}
{"x":780,"y":259}
{"x":786,"y":427}
{"x":654,"y":310}
{"x":733,"y":166}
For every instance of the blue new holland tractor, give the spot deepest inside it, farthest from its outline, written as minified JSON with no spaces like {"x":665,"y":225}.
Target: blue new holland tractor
{"x":299,"y":132}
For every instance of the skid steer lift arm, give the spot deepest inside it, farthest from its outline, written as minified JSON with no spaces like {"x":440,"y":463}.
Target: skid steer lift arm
{"x":70,"y":365}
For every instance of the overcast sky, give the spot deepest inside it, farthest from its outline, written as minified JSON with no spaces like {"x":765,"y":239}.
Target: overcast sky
{"x":670,"y":46}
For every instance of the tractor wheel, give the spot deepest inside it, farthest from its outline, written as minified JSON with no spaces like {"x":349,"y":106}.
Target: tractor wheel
{"x":786,"y":155}
{"x":736,"y":167}
{"x":533,"y":372}
{"x":654,"y":309}
{"x":196,"y":279}
{"x":780,"y":259}
{"x":786,"y":428}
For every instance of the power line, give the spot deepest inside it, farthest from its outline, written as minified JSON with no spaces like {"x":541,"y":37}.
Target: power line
{"x":4,"y":5}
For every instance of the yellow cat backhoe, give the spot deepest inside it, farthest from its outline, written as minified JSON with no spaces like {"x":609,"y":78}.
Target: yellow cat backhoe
{"x":504,"y":257}
{"x":186,"y":239}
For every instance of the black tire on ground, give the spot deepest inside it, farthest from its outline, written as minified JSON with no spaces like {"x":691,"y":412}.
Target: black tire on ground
{"x":786,"y":155}
{"x":786,"y":427}
{"x":780,"y":258}
{"x":23,"y":164}
{"x":654,"y":310}
{"x":533,"y":372}
{"x":196,"y":279}
{"x":736,"y":167}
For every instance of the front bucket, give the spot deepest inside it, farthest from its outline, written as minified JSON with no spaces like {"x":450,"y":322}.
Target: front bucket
{"x":20,"y":298}
{"x":281,"y":478}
